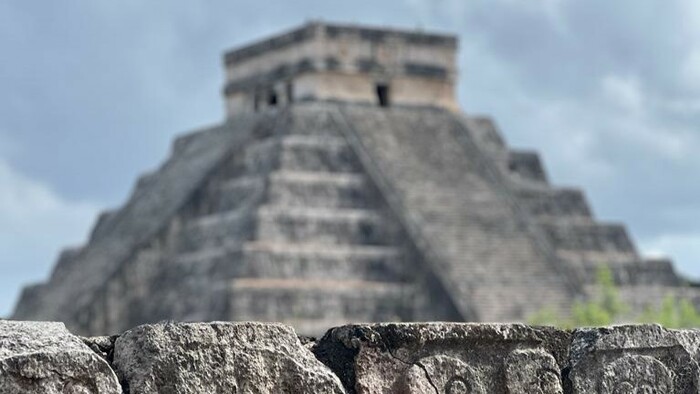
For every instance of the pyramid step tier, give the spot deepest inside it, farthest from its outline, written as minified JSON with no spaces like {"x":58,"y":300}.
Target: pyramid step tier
{"x":296,"y":261}
{"x":291,"y":299}
{"x":589,"y":237}
{"x":301,"y":153}
{"x":215,"y":230}
{"x":526,"y":165}
{"x":231,"y":194}
{"x":319,"y":225}
{"x":489,"y":299}
{"x":319,"y":190}
{"x":312,"y":153}
{"x":318,"y":261}
{"x":554,"y":203}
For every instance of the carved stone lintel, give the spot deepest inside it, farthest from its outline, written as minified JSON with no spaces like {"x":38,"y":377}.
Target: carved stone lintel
{"x":442,"y":374}
{"x":634,"y":359}
{"x":446,"y":358}
{"x":532,"y":371}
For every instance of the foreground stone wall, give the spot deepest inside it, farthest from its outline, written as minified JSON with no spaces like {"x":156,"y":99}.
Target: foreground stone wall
{"x":450,"y":358}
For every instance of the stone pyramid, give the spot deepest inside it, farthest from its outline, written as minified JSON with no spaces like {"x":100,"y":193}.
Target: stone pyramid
{"x":345,"y":186}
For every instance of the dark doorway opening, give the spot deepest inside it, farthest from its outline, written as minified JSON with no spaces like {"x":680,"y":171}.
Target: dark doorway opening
{"x":272,"y":98}
{"x":383,"y":95}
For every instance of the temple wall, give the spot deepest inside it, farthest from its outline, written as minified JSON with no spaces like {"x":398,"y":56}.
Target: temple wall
{"x":329,"y":62}
{"x":39,"y":357}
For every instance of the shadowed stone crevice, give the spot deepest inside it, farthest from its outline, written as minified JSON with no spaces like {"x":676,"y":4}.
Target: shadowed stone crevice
{"x":337,"y":356}
{"x":103,"y":346}
{"x":566,"y":382}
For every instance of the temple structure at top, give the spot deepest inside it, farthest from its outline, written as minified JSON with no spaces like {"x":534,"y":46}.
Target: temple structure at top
{"x":346,"y":63}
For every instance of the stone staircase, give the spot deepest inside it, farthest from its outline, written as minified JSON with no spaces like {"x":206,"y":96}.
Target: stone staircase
{"x":323,"y":250}
{"x":462,"y":210}
{"x":285,"y":228}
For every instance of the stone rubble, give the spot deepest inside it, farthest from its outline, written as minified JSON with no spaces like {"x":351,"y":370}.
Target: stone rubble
{"x":39,"y":357}
{"x":401,"y":358}
{"x":219,"y":358}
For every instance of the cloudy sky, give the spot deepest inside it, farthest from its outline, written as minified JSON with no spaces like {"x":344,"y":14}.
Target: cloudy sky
{"x":93,"y":91}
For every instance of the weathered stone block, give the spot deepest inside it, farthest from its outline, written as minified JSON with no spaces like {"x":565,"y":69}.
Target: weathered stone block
{"x":446,"y":358}
{"x":634,"y":359}
{"x":45,"y":358}
{"x":219,"y":358}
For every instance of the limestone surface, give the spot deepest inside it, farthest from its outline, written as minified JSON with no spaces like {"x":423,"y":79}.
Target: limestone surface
{"x":634,"y":359}
{"x":219,"y":358}
{"x":446,"y":358}
{"x":420,"y":358}
{"x":45,"y":358}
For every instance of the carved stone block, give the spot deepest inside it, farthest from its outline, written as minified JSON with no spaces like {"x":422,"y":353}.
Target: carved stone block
{"x":641,"y":359}
{"x":219,"y":358}
{"x":37,"y":357}
{"x":448,"y":358}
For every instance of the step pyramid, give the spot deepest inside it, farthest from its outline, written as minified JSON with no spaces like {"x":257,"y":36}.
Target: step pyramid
{"x":321,"y":214}
{"x":344,"y":186}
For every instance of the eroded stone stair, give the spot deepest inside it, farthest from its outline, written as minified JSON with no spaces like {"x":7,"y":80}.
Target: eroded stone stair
{"x":322,"y":250}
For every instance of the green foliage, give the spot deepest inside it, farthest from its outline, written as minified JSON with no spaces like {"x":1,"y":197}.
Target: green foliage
{"x":608,"y":308}
{"x":672,"y":313}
